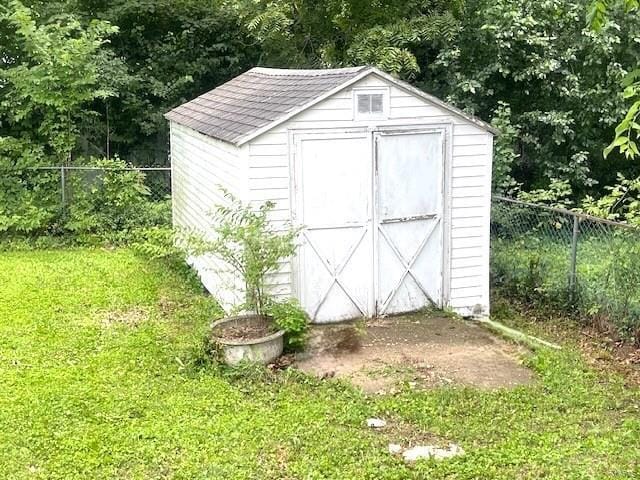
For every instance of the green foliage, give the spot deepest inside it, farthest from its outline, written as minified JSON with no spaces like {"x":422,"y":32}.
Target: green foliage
{"x":249,"y":243}
{"x":110,"y":200}
{"x":290,"y":317}
{"x":110,"y":203}
{"x":29,"y":200}
{"x":84,"y":394}
{"x":50,"y":80}
{"x":504,"y":153}
{"x":51,"y":75}
{"x":157,"y":242}
{"x":628,"y":130}
{"x":598,"y":13}
{"x":532,"y":269}
{"x":530,"y":261}
{"x":559,"y":79}
{"x":621,"y":203}
{"x":389,"y":34}
{"x":172,"y":51}
{"x":599,"y":19}
{"x":557,"y":194}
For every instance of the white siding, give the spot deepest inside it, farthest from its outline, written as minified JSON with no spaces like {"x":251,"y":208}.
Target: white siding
{"x":268,"y":179}
{"x":470,"y":182}
{"x":200,"y":165}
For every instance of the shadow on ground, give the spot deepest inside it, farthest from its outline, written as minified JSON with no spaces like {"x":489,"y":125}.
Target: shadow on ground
{"x":421,"y":351}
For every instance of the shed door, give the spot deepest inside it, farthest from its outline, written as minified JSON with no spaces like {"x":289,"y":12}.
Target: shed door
{"x":334,"y":179}
{"x":409,"y":206}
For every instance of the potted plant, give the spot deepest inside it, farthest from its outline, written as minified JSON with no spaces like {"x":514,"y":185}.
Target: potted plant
{"x":253,"y":248}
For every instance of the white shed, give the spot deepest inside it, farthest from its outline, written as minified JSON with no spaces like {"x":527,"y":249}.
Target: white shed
{"x":392,"y":186}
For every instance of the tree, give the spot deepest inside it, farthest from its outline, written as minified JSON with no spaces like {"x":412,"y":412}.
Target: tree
{"x":173,"y":51}
{"x":50,"y":75}
{"x":558,"y":79}
{"x":395,"y":35}
{"x":627,"y":131}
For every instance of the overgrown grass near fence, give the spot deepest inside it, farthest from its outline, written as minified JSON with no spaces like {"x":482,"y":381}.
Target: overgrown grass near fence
{"x":105,"y":199}
{"x":532,"y":261}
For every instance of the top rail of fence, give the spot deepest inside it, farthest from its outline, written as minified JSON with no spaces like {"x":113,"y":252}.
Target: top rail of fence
{"x":77,"y":167}
{"x":564,"y":211}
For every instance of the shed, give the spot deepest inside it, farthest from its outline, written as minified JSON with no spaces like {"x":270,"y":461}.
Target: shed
{"x":391,"y":185}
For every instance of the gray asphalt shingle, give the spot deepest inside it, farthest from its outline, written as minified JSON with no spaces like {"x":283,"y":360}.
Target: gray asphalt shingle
{"x":255,"y":99}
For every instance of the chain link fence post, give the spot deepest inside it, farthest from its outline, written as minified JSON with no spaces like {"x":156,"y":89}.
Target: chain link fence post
{"x":573,"y":260}
{"x":63,"y":184}
{"x":534,"y":260}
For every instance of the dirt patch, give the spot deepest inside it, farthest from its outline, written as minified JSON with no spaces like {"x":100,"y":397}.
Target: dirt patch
{"x":167,"y":306}
{"x":418,"y":351}
{"x":131,"y":317}
{"x":246,"y":332}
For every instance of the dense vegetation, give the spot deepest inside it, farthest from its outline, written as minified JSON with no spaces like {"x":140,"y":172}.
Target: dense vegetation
{"x":100,"y":378}
{"x":85,"y":78}
{"x":109,"y":70}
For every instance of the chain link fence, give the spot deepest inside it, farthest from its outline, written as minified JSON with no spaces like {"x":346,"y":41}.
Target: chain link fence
{"x":157,"y":180}
{"x":587,"y":266}
{"x":83,"y":200}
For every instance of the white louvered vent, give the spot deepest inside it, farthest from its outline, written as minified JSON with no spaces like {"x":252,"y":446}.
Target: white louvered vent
{"x":371,"y":104}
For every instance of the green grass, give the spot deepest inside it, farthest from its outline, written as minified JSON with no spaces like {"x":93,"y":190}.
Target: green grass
{"x":536,"y":268}
{"x":102,"y":376}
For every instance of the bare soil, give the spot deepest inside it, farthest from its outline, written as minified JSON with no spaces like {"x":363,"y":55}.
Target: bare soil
{"x":246,"y":331}
{"x":417,"y":350}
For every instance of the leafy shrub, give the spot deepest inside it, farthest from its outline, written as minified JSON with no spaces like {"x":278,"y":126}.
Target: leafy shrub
{"x":29,"y":199}
{"x":251,"y":245}
{"x":107,"y":204}
{"x":621,"y":203}
{"x":112,"y":200}
{"x":248,"y":242}
{"x":156,"y":242}
{"x":290,"y":317}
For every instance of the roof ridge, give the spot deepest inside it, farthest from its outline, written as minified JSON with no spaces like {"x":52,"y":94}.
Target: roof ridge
{"x":312,"y":72}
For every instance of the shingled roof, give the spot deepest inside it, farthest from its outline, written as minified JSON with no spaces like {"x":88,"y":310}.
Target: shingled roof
{"x":255,"y":99}
{"x":251,"y":102}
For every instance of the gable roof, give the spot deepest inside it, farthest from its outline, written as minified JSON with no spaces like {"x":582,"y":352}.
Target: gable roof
{"x":262,"y":98}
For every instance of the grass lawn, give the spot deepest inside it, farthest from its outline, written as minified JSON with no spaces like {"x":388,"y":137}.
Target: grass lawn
{"x":102,"y":376}
{"x":535,"y":266}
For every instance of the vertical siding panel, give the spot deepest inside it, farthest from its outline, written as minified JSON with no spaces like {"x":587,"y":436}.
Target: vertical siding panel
{"x":200,"y":165}
{"x":268,"y":180}
{"x":471,"y":199}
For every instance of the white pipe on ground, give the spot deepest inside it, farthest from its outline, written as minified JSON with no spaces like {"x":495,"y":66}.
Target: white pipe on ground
{"x":517,"y":335}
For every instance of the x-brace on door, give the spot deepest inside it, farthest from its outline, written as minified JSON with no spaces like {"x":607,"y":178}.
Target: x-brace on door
{"x":333,"y":183}
{"x":371,"y":204}
{"x":408,"y":220}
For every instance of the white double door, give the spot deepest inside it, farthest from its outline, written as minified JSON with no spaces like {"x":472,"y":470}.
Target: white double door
{"x":371,"y":205}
